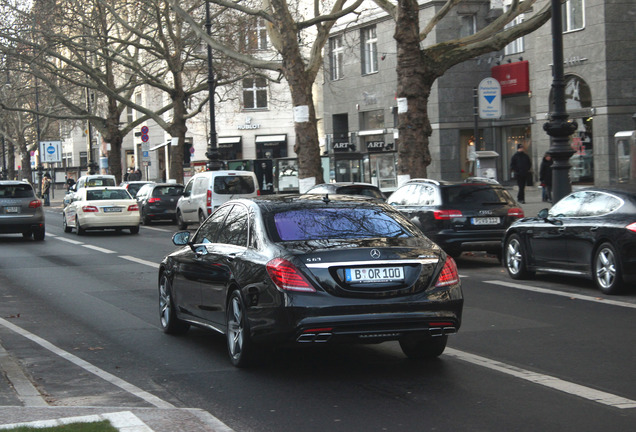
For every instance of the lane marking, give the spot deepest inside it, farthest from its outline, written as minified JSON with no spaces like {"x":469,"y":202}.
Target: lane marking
{"x":124,"y":385}
{"x":545,"y":380}
{"x":75,"y":242}
{"x":157,"y":229}
{"x":98,"y":249}
{"x":562,"y":294}
{"x":139,"y":261}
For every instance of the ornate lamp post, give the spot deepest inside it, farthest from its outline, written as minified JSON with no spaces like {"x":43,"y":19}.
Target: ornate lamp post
{"x":212,"y":152}
{"x":559,"y":128}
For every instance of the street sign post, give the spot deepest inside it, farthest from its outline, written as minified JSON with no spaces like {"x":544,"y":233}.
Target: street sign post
{"x":51,"y":151}
{"x":489,"y":97}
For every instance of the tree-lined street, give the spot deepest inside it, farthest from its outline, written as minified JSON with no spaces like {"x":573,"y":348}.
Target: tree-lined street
{"x":550,"y":354}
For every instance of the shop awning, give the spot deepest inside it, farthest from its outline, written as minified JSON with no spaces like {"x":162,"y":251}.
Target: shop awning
{"x":270,"y":138}
{"x":229,"y":140}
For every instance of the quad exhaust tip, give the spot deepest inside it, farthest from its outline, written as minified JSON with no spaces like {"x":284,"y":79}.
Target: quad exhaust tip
{"x":325,"y":336}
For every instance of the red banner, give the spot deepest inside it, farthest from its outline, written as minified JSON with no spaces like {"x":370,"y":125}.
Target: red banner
{"x":513,"y":77}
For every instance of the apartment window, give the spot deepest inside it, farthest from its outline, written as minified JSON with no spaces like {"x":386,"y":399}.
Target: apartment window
{"x":129,"y":115}
{"x":573,"y":15}
{"x":467,"y":25}
{"x":138,"y":114}
{"x":369,"y":44}
{"x":256,"y":36}
{"x":337,"y":57}
{"x":254,"y":93}
{"x":516,"y":46}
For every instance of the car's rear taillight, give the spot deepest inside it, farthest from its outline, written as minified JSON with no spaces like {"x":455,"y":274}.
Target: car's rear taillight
{"x":153,"y":200}
{"x":286,"y":276}
{"x":449,"y":274}
{"x":631,"y":227}
{"x":89,"y":209}
{"x":258,"y":192}
{"x":208,"y":201}
{"x":133,"y":207}
{"x":35,"y":204}
{"x":447,"y":214}
{"x":516,"y":212}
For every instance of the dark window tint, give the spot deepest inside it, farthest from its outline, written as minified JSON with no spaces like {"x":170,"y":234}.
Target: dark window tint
{"x":355,"y":190}
{"x":235,"y":229}
{"x":474,"y":194}
{"x":167,"y":191}
{"x":336,"y":223}
{"x":231,"y":185}
{"x":210,"y":228}
{"x":100,"y":182}
{"x":96,"y":195}
{"x":16,"y":191}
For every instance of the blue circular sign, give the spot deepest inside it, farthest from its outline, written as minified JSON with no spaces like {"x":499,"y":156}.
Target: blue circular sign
{"x":50,"y":150}
{"x":144,"y":130}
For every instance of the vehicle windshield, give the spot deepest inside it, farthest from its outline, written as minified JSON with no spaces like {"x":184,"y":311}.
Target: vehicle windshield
{"x":356,"y":190}
{"x":235,"y":184}
{"x":336,"y":223}
{"x":16,"y":191}
{"x":100,"y":182}
{"x":473,"y":194}
{"x":97,"y":195}
{"x":168,"y":191}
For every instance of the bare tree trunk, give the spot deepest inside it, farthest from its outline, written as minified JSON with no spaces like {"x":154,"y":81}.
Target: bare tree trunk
{"x":414,"y":83}
{"x":11,"y":161}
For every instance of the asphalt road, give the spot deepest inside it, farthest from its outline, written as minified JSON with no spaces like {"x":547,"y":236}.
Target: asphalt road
{"x":551,"y":354}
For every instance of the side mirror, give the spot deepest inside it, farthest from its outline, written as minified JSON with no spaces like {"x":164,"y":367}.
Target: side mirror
{"x":181,"y":238}
{"x":543,"y":213}
{"x":186,"y":194}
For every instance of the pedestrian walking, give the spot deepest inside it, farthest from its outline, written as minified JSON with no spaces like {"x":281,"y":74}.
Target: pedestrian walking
{"x":520,"y":165}
{"x":46,"y":188}
{"x":545,"y":177}
{"x":135,"y":176}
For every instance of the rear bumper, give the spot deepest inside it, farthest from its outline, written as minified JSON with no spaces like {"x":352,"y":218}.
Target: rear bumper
{"x":470,"y":240}
{"x":119,"y":221}
{"x":21,"y":224}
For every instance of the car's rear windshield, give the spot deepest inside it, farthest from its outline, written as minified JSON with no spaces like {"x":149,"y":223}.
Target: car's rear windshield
{"x":357,"y":190}
{"x":96,"y":195}
{"x":474,"y":194}
{"x":100,"y":182}
{"x":233,"y":185}
{"x":173,"y":191}
{"x":16,"y":191}
{"x":336,"y":223}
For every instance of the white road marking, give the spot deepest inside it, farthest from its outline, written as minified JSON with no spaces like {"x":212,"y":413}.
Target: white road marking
{"x":124,"y":385}
{"x":157,"y":229}
{"x":562,"y":293}
{"x":139,"y":261}
{"x":545,"y":380}
{"x":75,"y":242}
{"x":99,"y":249}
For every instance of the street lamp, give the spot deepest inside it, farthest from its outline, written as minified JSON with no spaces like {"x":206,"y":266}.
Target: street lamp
{"x":559,"y":128}
{"x":212,"y":152}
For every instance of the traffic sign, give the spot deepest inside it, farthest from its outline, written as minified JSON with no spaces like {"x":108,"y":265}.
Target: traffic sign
{"x":144,"y":138}
{"x":489,"y":96}
{"x":144,"y":129}
{"x":50,"y":151}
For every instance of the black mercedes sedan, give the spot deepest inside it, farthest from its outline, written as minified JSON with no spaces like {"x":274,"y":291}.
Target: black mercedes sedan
{"x":310,"y":270}
{"x":589,"y":233}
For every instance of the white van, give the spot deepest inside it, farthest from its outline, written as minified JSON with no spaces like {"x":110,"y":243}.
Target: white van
{"x":207,"y":190}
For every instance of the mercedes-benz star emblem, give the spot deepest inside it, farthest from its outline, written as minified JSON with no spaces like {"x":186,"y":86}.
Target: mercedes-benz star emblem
{"x":375,"y":254}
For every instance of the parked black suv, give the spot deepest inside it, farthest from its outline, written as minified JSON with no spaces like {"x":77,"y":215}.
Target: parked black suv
{"x":468,"y":216}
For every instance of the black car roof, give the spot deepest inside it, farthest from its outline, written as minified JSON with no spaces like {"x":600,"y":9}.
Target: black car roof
{"x":275,"y":202}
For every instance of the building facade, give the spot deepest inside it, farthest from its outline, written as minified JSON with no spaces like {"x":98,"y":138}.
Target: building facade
{"x":600,"y":56}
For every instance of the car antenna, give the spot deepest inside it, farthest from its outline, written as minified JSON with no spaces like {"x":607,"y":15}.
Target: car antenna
{"x":326,"y":198}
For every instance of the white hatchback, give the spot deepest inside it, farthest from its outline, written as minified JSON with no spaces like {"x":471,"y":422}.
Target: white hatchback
{"x":101,"y":208}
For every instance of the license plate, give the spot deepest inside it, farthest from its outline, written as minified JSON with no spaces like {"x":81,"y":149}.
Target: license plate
{"x":12,"y":209}
{"x":375,"y":274}
{"x":486,"y":221}
{"x":112,"y":210}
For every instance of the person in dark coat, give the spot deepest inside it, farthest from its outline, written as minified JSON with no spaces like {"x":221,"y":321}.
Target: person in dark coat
{"x":545,"y":177}
{"x":520,"y":165}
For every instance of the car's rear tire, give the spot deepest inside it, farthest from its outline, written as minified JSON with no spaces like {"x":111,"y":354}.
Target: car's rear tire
{"x":202,"y":217}
{"x":134,"y":229}
{"x":147,"y":220}
{"x":170,"y":324}
{"x":606,"y":270}
{"x":180,"y":222}
{"x":423,"y":347}
{"x":27,"y":235}
{"x":38,"y":235}
{"x":514,"y":258}
{"x":78,"y":228}
{"x":239,"y":344}
{"x":67,"y":229}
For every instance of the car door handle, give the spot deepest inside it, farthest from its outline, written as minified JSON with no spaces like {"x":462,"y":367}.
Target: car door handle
{"x":561,"y":230}
{"x":231,"y":257}
{"x":593,"y":228}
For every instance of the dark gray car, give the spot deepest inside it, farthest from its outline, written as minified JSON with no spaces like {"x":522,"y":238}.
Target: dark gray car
{"x":20,"y":210}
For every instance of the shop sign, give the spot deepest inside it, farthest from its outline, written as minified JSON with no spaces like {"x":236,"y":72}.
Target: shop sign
{"x":514,"y":77}
{"x":375,"y":146}
{"x":248,"y":124}
{"x":341,"y":146}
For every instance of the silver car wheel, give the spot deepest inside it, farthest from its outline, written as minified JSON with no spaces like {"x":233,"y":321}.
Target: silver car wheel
{"x":165,"y":303}
{"x":235,"y":328}
{"x":513,"y":256}
{"x":605,"y":268}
